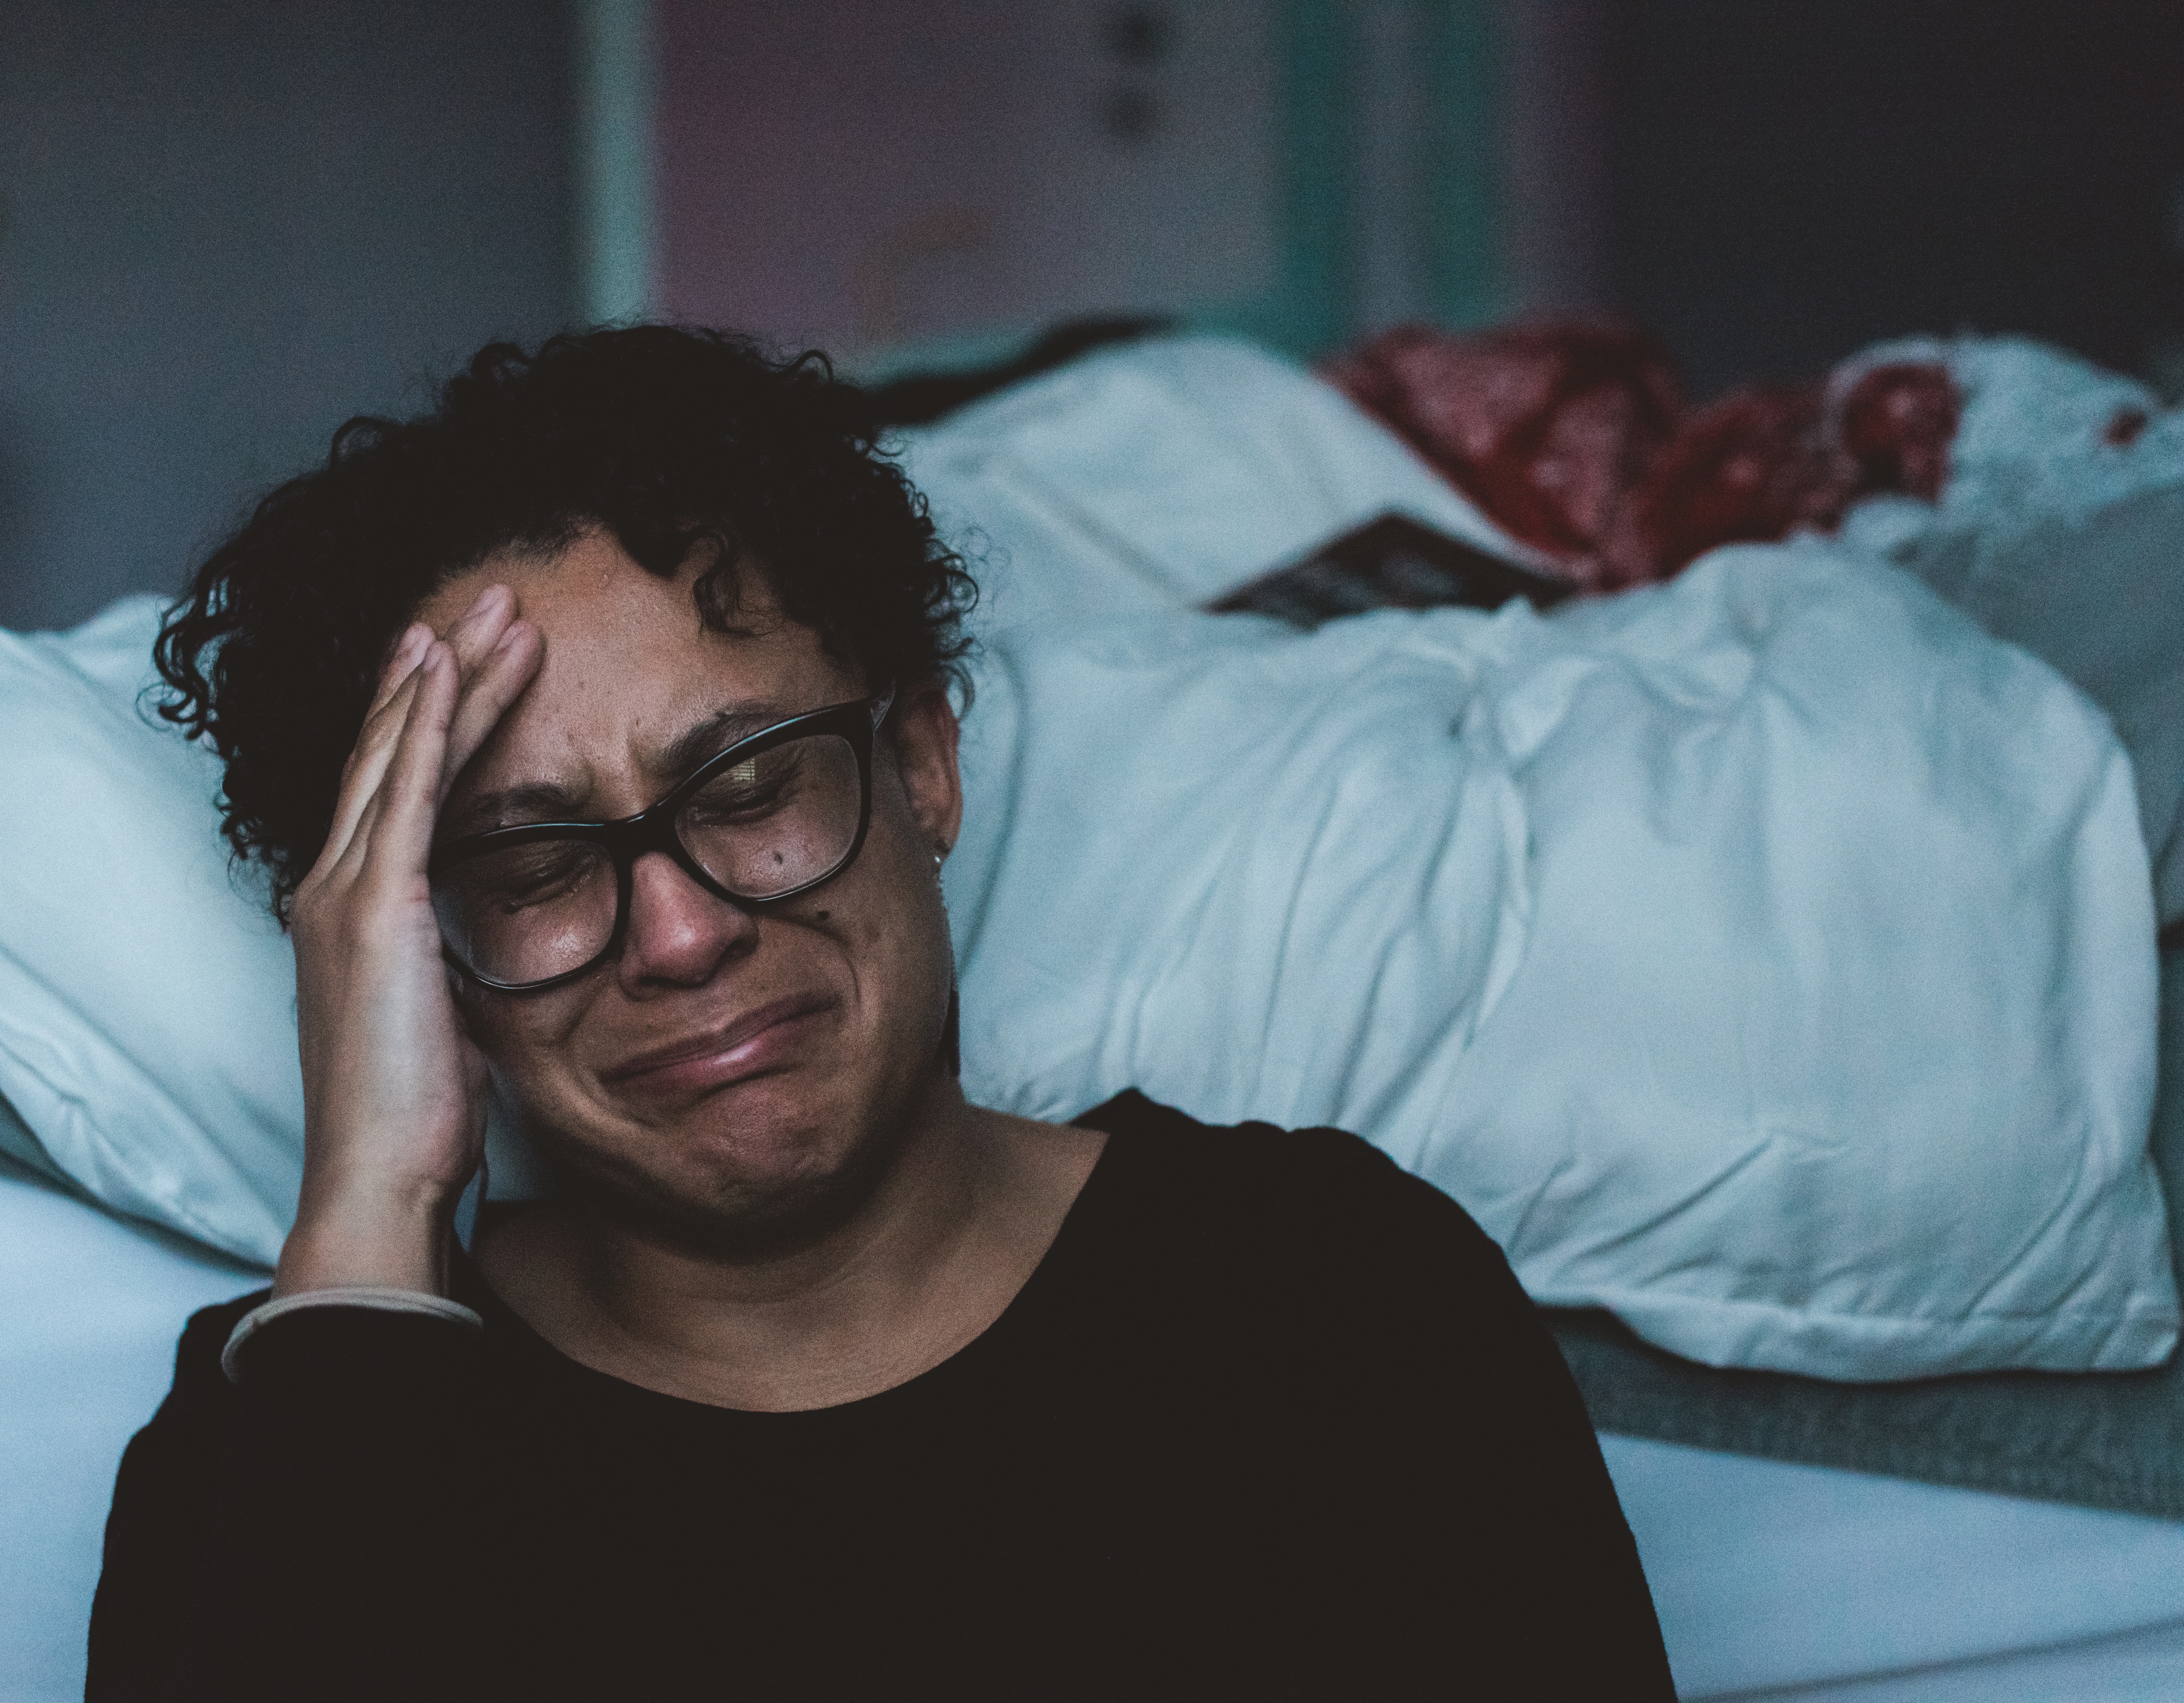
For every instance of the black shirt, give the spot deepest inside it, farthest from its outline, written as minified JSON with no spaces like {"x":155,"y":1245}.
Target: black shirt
{"x":1271,"y":1418}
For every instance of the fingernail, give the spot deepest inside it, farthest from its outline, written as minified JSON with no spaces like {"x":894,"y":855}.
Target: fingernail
{"x":407,"y":650}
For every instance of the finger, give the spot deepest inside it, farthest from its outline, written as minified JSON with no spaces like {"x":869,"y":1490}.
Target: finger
{"x":395,"y":835}
{"x":480,"y":703}
{"x":367,"y":763}
{"x":401,"y":664}
{"x":472,"y":636}
{"x":474,"y":632}
{"x":491,"y":688}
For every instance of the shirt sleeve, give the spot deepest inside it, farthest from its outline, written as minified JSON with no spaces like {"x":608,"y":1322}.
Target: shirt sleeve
{"x":1488,"y":1556}
{"x":304,"y":1535}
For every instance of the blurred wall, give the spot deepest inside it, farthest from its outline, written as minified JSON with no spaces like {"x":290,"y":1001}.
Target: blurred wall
{"x":1792,"y":179}
{"x":935,"y":183}
{"x":1553,"y":178}
{"x":228,"y":226}
{"x":861,"y":176}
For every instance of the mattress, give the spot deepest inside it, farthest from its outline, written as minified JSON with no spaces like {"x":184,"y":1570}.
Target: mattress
{"x":1767,"y":1574}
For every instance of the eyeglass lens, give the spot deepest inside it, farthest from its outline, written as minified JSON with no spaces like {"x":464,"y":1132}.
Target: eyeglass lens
{"x":777,"y":822}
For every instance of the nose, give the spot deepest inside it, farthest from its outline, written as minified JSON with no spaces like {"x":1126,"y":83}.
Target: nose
{"x":678,"y":934}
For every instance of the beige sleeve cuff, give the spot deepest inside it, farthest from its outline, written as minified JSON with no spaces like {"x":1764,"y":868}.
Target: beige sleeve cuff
{"x":360,"y":1295}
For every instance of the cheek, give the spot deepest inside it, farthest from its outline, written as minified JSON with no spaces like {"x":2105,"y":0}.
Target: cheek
{"x":902,"y":944}
{"x":527,"y":1041}
{"x":894,"y":916}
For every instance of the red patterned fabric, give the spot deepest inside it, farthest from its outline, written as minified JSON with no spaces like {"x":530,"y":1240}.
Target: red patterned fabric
{"x":1573,"y":436}
{"x":1896,"y":423}
{"x":1545,"y":427}
{"x":1752,"y":465}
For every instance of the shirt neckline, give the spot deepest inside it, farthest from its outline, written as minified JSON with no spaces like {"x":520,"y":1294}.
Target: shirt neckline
{"x":505,"y":1327}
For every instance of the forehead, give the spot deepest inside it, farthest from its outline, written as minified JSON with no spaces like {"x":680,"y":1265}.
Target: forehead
{"x":629,"y":664}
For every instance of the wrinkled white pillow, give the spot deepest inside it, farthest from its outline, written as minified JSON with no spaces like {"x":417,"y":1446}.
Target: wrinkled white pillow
{"x":148,"y":1030}
{"x":1767,"y":957}
{"x":147,"y":998}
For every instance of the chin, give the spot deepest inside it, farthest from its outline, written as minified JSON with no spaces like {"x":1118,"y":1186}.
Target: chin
{"x":743,"y":1171}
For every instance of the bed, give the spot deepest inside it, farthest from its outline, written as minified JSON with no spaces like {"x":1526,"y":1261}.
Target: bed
{"x":1985,"y":1534}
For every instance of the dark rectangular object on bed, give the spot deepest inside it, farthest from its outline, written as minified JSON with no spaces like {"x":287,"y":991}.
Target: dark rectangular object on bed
{"x":1393,"y":562}
{"x":2102,"y":1439}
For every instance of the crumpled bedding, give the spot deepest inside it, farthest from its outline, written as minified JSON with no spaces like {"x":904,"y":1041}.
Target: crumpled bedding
{"x":1164,"y":475}
{"x":2061,"y":528}
{"x":1767,"y":957}
{"x":2041,"y":494}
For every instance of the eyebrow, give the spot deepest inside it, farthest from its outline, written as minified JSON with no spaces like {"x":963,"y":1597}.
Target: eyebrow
{"x":716,"y":734}
{"x":548,"y":801}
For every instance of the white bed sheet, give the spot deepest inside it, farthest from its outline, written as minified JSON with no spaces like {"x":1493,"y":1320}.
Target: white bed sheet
{"x":90,"y":1308}
{"x":1773,"y":1579}
{"x":1769,"y":1578}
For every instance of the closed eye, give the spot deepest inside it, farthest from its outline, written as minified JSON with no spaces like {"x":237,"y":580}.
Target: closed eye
{"x":527,"y":877}
{"x":746,"y":792}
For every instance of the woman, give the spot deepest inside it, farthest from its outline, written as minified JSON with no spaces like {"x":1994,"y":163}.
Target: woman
{"x":809,"y":1378}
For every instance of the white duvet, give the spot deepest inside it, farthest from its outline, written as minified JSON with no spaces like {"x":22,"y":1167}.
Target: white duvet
{"x":1767,"y":957}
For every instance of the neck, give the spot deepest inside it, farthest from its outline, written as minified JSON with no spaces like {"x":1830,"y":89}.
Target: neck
{"x":901,"y":1224}
{"x":932,"y":1252}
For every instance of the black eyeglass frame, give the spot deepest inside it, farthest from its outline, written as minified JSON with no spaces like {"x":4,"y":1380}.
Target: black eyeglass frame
{"x":652,"y":829}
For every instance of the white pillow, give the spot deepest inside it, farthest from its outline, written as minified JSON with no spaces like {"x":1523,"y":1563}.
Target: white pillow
{"x":1162,"y":474}
{"x":148,"y":1032}
{"x":1767,"y":957}
{"x":147,"y":998}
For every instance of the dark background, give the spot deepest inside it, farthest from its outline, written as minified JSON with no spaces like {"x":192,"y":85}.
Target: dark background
{"x":228,"y":226}
{"x":1792,"y":179}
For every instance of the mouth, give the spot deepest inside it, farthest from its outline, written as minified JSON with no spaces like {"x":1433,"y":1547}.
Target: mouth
{"x":752,"y":1044}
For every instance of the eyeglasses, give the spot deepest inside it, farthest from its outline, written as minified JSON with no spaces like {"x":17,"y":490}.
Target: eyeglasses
{"x":526,"y":908}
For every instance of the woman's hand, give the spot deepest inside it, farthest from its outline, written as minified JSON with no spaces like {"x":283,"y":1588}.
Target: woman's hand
{"x":394,"y":1090}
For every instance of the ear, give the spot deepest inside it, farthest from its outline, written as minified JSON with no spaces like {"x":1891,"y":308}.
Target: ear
{"x":926,"y":732}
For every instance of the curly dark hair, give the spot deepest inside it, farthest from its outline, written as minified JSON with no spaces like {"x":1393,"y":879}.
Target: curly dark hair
{"x":671,"y":439}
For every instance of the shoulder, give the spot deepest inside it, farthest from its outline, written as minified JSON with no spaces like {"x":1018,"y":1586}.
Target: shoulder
{"x":1284,"y":1259}
{"x":1321,"y":1204}
{"x":201,"y":1395}
{"x":1330,"y":1175}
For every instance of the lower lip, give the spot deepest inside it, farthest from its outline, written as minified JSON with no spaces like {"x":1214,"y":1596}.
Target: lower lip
{"x":769,"y":1050}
